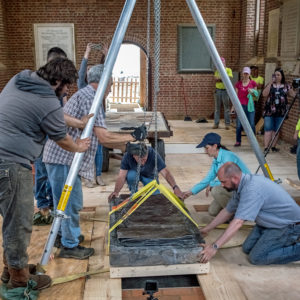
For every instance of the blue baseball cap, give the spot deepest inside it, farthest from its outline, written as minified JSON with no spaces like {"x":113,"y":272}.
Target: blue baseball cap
{"x":210,"y":139}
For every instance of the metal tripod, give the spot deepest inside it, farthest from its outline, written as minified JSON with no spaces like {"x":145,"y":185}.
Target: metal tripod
{"x":97,"y":103}
{"x":278,"y":130}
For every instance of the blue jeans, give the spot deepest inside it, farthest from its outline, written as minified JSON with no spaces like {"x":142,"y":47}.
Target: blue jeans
{"x":273,"y":245}
{"x":298,"y":158}
{"x":222,"y":96}
{"x":99,"y":160}
{"x":131,"y":181}
{"x":272,"y":123}
{"x":250,"y":116}
{"x":42,"y":187}
{"x":70,"y":228}
{"x":16,"y":208}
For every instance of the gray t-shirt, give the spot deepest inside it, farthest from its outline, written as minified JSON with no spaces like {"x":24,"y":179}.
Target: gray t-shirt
{"x":261,"y":200}
{"x":29,"y":111}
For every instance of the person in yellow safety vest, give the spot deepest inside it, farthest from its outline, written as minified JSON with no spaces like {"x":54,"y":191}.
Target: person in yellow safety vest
{"x":258,"y":79}
{"x":222,"y":96}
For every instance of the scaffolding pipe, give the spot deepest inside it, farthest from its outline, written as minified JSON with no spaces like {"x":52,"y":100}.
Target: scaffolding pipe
{"x":97,"y":103}
{"x":230,"y":90}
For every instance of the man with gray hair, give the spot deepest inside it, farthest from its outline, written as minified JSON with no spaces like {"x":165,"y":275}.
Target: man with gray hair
{"x":58,"y":162}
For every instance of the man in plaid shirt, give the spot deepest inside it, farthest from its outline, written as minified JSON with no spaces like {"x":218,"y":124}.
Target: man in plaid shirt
{"x":58,"y":162}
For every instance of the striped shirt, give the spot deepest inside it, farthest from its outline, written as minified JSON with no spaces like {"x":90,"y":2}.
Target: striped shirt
{"x":78,"y":106}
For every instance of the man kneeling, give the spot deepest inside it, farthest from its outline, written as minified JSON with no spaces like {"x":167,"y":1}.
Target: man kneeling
{"x":275,"y":239}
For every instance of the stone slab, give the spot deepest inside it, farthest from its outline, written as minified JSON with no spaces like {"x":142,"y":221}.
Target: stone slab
{"x":157,"y":233}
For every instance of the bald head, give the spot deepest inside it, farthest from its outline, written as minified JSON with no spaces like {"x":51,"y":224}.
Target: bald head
{"x":230,"y":175}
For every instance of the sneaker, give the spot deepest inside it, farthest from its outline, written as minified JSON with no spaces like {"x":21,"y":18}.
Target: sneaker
{"x":89,"y":183}
{"x":237,"y":144}
{"x":58,"y":243}
{"x":215,"y":126}
{"x":100,"y":181}
{"x":274,"y":149}
{"x":78,"y":252}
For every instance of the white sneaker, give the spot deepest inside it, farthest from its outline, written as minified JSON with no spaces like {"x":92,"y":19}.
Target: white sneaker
{"x":100,"y":181}
{"x":88,"y":183}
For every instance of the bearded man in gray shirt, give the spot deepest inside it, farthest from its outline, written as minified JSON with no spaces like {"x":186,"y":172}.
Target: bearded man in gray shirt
{"x":275,"y":239}
{"x":29,"y":111}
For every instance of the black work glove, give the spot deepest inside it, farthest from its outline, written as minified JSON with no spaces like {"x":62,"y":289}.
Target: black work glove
{"x":140,"y":133}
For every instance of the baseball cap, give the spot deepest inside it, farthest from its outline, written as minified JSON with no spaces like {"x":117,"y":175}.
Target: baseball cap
{"x":210,"y":139}
{"x":246,"y":70}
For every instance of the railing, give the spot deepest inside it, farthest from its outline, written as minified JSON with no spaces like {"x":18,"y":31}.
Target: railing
{"x":125,"y":90}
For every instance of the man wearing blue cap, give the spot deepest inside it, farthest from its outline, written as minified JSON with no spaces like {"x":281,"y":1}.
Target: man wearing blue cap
{"x":212,"y":144}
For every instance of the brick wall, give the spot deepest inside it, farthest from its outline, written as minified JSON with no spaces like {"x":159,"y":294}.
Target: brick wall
{"x":96,"y":21}
{"x":3,"y":47}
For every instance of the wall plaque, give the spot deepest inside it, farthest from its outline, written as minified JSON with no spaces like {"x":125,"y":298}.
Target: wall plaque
{"x":48,"y":35}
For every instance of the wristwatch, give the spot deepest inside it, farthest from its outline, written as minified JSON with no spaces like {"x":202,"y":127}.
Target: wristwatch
{"x":215,"y":246}
{"x":174,"y":187}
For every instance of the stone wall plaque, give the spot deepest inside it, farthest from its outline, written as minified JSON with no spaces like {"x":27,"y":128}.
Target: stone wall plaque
{"x":48,"y":35}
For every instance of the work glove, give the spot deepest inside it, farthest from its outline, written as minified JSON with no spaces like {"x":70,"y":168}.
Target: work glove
{"x":140,"y":133}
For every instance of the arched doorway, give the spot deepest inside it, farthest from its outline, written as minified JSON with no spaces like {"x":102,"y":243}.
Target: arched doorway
{"x":129,"y":89}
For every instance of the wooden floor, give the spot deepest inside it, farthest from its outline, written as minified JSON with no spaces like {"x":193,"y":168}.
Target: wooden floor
{"x":231,"y":275}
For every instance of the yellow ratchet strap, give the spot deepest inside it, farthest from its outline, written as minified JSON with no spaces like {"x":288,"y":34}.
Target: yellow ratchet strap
{"x":148,"y":190}
{"x":63,"y":201}
{"x":176,"y":201}
{"x":139,"y":193}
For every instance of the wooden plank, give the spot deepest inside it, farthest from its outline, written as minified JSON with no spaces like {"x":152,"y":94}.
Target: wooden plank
{"x":143,"y":271}
{"x":294,"y":183}
{"x":101,"y":286}
{"x":259,"y":126}
{"x":219,"y":284}
{"x":60,"y":267}
{"x":202,"y":207}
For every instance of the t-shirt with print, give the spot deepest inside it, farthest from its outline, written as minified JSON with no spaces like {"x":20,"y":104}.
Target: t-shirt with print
{"x":147,"y":170}
{"x":243,"y":90}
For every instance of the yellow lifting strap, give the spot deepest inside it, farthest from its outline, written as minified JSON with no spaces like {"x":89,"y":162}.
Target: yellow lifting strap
{"x":176,"y":201}
{"x":145,"y":193}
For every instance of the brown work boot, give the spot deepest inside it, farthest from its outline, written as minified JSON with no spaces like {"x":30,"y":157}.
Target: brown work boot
{"x":20,"y":277}
{"x":5,"y":274}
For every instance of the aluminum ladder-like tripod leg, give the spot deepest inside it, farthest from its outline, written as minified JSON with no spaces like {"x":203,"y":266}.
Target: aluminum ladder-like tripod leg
{"x":230,"y":90}
{"x":97,"y":103}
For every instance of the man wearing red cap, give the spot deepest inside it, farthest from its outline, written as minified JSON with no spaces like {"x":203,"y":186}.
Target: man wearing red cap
{"x":222,"y":96}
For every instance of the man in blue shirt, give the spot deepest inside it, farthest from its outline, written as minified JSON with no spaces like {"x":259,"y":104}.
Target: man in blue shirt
{"x":275,"y":239}
{"x":212,"y":144}
{"x":128,"y":170}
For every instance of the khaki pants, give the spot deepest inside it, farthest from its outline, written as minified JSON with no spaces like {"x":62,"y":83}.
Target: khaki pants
{"x":221,"y":198}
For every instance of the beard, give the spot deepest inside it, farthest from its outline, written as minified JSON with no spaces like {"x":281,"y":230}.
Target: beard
{"x":59,"y":91}
{"x":232,"y":188}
